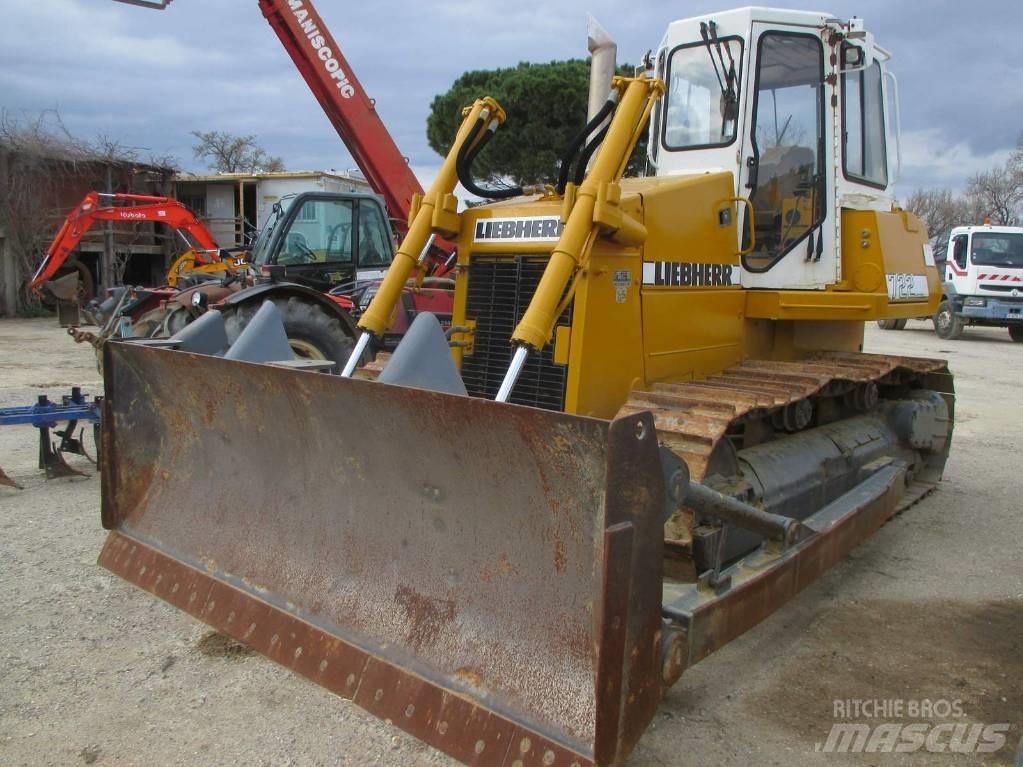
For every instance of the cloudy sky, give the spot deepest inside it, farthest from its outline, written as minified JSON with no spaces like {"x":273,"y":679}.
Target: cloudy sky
{"x":147,"y":78}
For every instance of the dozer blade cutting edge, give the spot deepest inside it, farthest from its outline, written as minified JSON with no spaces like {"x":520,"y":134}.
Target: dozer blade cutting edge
{"x":487,"y":577}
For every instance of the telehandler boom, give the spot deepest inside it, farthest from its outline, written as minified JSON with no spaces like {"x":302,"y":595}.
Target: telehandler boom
{"x":650,"y":424}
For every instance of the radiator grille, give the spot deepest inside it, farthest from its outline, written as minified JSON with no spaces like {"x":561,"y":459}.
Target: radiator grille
{"x":498,"y":294}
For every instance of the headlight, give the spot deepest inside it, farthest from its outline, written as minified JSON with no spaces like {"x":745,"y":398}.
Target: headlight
{"x":975,"y":301}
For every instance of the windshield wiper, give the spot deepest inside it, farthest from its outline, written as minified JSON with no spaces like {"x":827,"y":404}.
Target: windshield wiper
{"x":727,"y":78}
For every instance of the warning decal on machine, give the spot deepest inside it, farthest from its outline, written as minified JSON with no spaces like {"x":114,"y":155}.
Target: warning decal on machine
{"x":684,"y":275}
{"x":907,"y":287}
{"x":525,"y":229}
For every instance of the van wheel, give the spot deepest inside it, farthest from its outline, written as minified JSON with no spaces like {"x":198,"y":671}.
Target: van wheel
{"x":892,"y":324}
{"x":1016,"y":333}
{"x":947,"y":324}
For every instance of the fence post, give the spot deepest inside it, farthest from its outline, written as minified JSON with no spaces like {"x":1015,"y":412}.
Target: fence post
{"x":8,"y":277}
{"x":107,"y":273}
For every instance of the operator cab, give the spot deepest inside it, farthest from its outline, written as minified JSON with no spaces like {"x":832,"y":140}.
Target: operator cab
{"x":985,"y":259}
{"x":324,"y":240}
{"x":797,"y":106}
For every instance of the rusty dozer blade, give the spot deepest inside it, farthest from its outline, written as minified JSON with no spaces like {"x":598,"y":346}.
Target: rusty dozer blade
{"x":487,"y":577}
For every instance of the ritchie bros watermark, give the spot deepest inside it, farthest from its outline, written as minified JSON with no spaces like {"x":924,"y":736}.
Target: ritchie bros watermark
{"x":900,"y":726}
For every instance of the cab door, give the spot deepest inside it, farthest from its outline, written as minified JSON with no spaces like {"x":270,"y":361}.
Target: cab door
{"x":787,"y":161}
{"x":318,"y":246}
{"x":375,"y":245}
{"x":956,"y":264}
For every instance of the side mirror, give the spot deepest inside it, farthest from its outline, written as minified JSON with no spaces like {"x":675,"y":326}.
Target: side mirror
{"x":852,"y":57}
{"x":858,"y":52}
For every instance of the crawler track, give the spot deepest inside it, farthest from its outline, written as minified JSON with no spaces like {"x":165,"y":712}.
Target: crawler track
{"x":705,"y":421}
{"x":692,"y":418}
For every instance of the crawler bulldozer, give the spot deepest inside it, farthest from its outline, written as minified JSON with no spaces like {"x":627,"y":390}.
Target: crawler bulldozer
{"x":650,"y":424}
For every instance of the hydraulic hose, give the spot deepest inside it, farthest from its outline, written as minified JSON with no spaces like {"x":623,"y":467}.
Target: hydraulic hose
{"x":584,"y":158}
{"x":463,"y":165}
{"x":471,"y":150}
{"x":576,"y":144}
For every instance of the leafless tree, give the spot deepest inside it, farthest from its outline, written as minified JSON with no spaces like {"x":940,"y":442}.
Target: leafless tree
{"x":999,"y":192}
{"x":995,"y":194}
{"x":227,"y":153}
{"x":941,"y":210}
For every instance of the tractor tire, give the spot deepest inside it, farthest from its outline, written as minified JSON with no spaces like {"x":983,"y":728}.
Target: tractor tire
{"x":86,"y":283}
{"x":947,"y":324}
{"x":162,"y":322}
{"x":88,"y":289}
{"x":312,"y":332}
{"x":1016,"y":333}
{"x":892,"y":324}
{"x":149,"y":324}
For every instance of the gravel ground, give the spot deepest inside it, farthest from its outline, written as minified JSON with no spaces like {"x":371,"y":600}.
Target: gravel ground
{"x":94,"y":671}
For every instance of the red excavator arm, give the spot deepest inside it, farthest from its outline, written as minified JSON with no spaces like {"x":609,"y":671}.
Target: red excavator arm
{"x":352,"y":113}
{"x":163,"y":210}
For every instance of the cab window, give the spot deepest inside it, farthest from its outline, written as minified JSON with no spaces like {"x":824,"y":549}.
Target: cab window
{"x":696,"y":113}
{"x":997,"y":249}
{"x":959,"y":250}
{"x":320,"y":233}
{"x":864,"y":156}
{"x":374,"y":236}
{"x":786,"y":171}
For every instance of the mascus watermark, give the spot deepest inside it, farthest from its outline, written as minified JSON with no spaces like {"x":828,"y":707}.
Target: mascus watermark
{"x":880,"y":735}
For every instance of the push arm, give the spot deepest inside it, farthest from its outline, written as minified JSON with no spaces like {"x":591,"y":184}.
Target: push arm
{"x":590,"y":208}
{"x":435,"y":213}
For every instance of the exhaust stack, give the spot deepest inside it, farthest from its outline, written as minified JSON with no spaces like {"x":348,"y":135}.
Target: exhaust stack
{"x":603,"y":59}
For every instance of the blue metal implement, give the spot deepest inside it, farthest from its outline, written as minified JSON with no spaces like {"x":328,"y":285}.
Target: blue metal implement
{"x":46,"y":415}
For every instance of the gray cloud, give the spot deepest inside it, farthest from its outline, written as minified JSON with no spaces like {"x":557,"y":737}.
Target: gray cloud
{"x":148,"y":78}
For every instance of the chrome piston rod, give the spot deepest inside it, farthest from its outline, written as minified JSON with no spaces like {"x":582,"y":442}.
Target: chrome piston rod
{"x":356,"y":355}
{"x":512,"y":375}
{"x":364,"y":339}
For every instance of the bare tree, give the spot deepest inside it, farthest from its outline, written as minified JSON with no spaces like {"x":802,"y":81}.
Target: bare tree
{"x":227,"y":153}
{"x":996,"y":194}
{"x":999,"y":192}
{"x":1015,"y":162}
{"x":941,"y":210}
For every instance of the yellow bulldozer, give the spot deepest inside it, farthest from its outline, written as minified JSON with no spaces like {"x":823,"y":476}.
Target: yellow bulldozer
{"x":650,"y":424}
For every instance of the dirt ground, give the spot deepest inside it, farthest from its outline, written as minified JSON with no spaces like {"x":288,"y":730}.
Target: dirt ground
{"x":94,"y":671}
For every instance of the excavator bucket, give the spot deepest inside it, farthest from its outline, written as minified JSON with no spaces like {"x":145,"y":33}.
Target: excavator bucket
{"x":486,"y":577}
